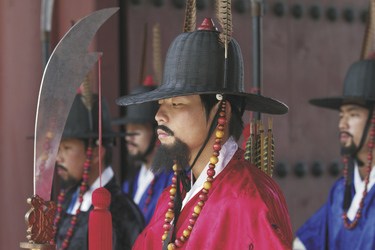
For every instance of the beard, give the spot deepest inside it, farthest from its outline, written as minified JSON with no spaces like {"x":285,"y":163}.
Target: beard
{"x":67,"y":183}
{"x":348,"y":150}
{"x":166,"y":154}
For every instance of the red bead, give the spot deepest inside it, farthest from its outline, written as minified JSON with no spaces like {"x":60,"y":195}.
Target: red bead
{"x":86,"y":164}
{"x":170,"y":204}
{"x":83,"y":188}
{"x":178,"y":243}
{"x":344,"y":217}
{"x":80,"y":199}
{"x":73,"y":222}
{"x":60,"y":198}
{"x":59,"y":209}
{"x":371,"y":145}
{"x":222,"y":121}
{"x":167,"y":226}
{"x":358,"y":216}
{"x":203,"y":197}
{"x":217,"y":147}
{"x":69,"y":233}
{"x":64,"y":244}
{"x":372,"y":132}
{"x":210,"y":172}
{"x":364,"y":193}
{"x":174,"y":179}
{"x":361,"y":204}
{"x":373,"y":120}
{"x":192,"y":221}
{"x":369,"y":157}
{"x":345,"y":160}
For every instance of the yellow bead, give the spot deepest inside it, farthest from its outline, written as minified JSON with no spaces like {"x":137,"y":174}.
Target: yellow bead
{"x":49,"y":135}
{"x":207,"y":185}
{"x":44,"y":157}
{"x":197,"y":209}
{"x":169,"y":215}
{"x":170,"y":246}
{"x":175,"y":167}
{"x":219,"y":134}
{"x":186,"y":233}
{"x":164,"y":237}
{"x":172,"y":191}
{"x":214,"y":159}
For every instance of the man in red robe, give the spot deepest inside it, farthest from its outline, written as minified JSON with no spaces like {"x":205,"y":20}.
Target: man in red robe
{"x":226,"y":202}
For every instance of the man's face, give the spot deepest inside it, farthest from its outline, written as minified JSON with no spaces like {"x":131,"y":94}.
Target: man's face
{"x":70,"y":161}
{"x":185,"y":117}
{"x":137,"y":145}
{"x":353,"y":119}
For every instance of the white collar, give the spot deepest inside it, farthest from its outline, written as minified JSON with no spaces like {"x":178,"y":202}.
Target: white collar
{"x":359,"y":186}
{"x":107,"y":175}
{"x":226,"y":153}
{"x":145,"y":177}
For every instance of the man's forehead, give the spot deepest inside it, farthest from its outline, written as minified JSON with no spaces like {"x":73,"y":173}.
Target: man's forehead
{"x":348,"y":105}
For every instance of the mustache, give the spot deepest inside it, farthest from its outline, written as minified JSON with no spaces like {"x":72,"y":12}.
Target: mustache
{"x":346,"y":133}
{"x":62,"y":167}
{"x":131,"y":143}
{"x":165,"y":129}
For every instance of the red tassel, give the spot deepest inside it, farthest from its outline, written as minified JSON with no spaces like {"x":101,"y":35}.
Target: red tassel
{"x":100,"y":222}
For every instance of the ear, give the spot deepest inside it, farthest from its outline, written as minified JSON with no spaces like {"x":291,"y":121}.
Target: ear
{"x":95,"y":155}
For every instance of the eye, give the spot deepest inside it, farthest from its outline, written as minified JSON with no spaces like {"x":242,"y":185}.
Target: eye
{"x":176,"y":104}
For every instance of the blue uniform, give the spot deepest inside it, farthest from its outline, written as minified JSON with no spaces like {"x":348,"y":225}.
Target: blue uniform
{"x":161,"y":181}
{"x":326,"y":230}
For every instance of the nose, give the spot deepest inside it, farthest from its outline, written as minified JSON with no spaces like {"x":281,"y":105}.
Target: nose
{"x":161,"y":116}
{"x":59,"y":158}
{"x":343,"y":123}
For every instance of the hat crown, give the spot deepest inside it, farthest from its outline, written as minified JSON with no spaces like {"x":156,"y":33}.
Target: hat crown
{"x":78,"y":123}
{"x":195,"y":60}
{"x":360,"y":80}
{"x":141,"y":113}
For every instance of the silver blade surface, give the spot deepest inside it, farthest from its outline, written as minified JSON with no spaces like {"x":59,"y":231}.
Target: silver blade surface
{"x":66,"y":68}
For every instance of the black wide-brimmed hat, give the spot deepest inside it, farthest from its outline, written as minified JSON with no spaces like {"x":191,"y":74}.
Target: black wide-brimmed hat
{"x":141,"y":113}
{"x":359,"y":85}
{"x":195,"y":65}
{"x":78,"y":121}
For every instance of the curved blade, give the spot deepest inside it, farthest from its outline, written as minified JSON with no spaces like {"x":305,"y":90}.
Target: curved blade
{"x":66,"y":68}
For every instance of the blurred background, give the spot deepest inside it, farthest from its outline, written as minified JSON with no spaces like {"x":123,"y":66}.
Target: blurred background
{"x":307,"y":48}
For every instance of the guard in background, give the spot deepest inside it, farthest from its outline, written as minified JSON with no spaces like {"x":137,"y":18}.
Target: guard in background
{"x":141,"y":183}
{"x":77,"y":164}
{"x":347,"y":219}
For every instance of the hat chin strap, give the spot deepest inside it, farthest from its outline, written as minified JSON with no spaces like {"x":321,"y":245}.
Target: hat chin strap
{"x":364,"y":136}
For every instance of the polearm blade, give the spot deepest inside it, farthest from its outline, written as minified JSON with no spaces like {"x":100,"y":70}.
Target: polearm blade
{"x":66,"y":68}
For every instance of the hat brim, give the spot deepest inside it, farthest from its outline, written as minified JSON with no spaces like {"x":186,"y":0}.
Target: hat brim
{"x":254,"y":102}
{"x":336,"y":101}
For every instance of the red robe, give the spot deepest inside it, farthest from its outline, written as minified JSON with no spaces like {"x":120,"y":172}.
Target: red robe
{"x":245,"y":210}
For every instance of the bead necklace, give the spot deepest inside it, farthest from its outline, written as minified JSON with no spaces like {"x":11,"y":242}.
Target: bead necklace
{"x":149,"y":193}
{"x":61,"y":199}
{"x":179,"y":242}
{"x":351,"y":225}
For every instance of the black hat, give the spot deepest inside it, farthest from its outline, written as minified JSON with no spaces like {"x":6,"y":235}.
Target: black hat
{"x":359,"y":85}
{"x":195,"y":65}
{"x":78,"y":121}
{"x":141,"y":113}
